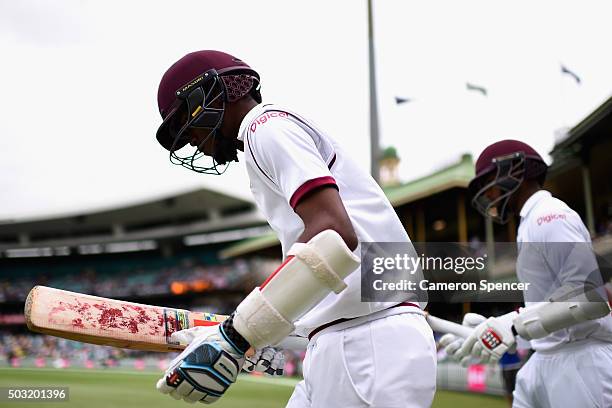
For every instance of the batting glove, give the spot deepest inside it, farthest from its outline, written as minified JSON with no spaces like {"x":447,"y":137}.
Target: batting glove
{"x":489,"y":340}
{"x":453,"y":343}
{"x":206,"y":368}
{"x":268,"y":360}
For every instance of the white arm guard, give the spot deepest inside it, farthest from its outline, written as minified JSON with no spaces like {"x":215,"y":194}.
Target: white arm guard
{"x":538,"y":321}
{"x":310,"y":273}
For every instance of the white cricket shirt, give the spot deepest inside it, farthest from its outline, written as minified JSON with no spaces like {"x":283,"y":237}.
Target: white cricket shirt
{"x":287,"y":156}
{"x":554,"y":249}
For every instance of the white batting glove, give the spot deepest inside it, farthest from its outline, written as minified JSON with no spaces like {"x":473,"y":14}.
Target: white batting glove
{"x":205,"y":369}
{"x":453,"y":343}
{"x":268,"y":360}
{"x":489,"y":340}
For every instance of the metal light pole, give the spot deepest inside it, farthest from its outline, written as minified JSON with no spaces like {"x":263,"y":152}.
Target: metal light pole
{"x":374,"y":143}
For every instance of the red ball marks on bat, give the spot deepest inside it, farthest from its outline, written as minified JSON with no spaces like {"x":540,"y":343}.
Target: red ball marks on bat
{"x":78,"y":323}
{"x":109,"y":317}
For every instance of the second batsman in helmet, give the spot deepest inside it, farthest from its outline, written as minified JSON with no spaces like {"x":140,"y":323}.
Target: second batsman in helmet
{"x":566,"y":317}
{"x":501,"y":169}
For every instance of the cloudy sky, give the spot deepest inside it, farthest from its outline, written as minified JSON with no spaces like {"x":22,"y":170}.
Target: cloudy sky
{"x":79,"y":82}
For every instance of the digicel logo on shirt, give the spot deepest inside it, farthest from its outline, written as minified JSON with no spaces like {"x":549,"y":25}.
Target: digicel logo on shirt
{"x":550,"y":217}
{"x":264,"y":118}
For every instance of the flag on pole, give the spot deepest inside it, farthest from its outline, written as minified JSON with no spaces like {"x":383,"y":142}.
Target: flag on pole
{"x":566,"y":71}
{"x":399,"y":100}
{"x":477,"y":88}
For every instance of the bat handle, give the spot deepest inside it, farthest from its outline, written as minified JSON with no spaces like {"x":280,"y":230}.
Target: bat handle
{"x":445,"y":326}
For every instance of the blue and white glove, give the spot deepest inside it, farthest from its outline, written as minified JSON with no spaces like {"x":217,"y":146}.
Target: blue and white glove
{"x":207,"y":367}
{"x":268,"y":360}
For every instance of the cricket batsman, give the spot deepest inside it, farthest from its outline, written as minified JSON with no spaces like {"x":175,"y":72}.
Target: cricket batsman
{"x":322,"y":205}
{"x":566,"y":316}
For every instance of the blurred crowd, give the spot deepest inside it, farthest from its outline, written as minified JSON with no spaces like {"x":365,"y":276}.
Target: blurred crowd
{"x":20,"y":350}
{"x":188,"y":275}
{"x":604,"y":228}
{"x":52,"y":349}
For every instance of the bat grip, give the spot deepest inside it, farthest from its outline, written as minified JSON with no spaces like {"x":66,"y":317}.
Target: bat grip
{"x":445,"y":326}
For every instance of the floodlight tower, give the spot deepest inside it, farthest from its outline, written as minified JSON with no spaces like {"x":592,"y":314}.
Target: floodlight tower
{"x":374,"y":136}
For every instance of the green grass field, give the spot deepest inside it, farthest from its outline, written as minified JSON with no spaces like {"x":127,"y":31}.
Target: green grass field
{"x":108,"y":389}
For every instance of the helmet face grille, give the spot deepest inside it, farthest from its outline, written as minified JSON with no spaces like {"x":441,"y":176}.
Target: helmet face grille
{"x":202,"y":108}
{"x":506,"y":179}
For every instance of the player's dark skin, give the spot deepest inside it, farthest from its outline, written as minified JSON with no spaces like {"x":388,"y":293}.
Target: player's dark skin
{"x":321,"y":209}
{"x":521,"y":195}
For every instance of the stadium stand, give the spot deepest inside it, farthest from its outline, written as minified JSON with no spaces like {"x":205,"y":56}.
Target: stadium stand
{"x":203,"y":250}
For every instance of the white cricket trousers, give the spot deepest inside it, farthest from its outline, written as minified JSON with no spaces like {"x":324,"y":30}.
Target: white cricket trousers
{"x":578,"y":375}
{"x":384,"y":363}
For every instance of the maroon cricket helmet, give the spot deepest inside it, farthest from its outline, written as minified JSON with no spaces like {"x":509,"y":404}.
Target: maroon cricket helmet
{"x":193,"y":94}
{"x":485,"y":164}
{"x":190,"y":67}
{"x":505,"y":165}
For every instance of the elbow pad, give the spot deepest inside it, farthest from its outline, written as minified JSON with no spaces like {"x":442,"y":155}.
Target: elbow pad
{"x":538,"y":321}
{"x":310,"y":273}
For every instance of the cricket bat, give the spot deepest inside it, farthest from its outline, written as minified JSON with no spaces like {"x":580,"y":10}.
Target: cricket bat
{"x":109,"y":322}
{"x":117,"y":323}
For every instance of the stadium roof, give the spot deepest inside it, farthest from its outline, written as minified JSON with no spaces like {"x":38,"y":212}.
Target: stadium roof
{"x":189,"y":212}
{"x":456,"y":175}
{"x":593,"y":129}
{"x":250,"y":245}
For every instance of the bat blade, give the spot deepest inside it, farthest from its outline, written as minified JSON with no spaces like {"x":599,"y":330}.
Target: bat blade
{"x":118,"y":323}
{"x":109,"y":322}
